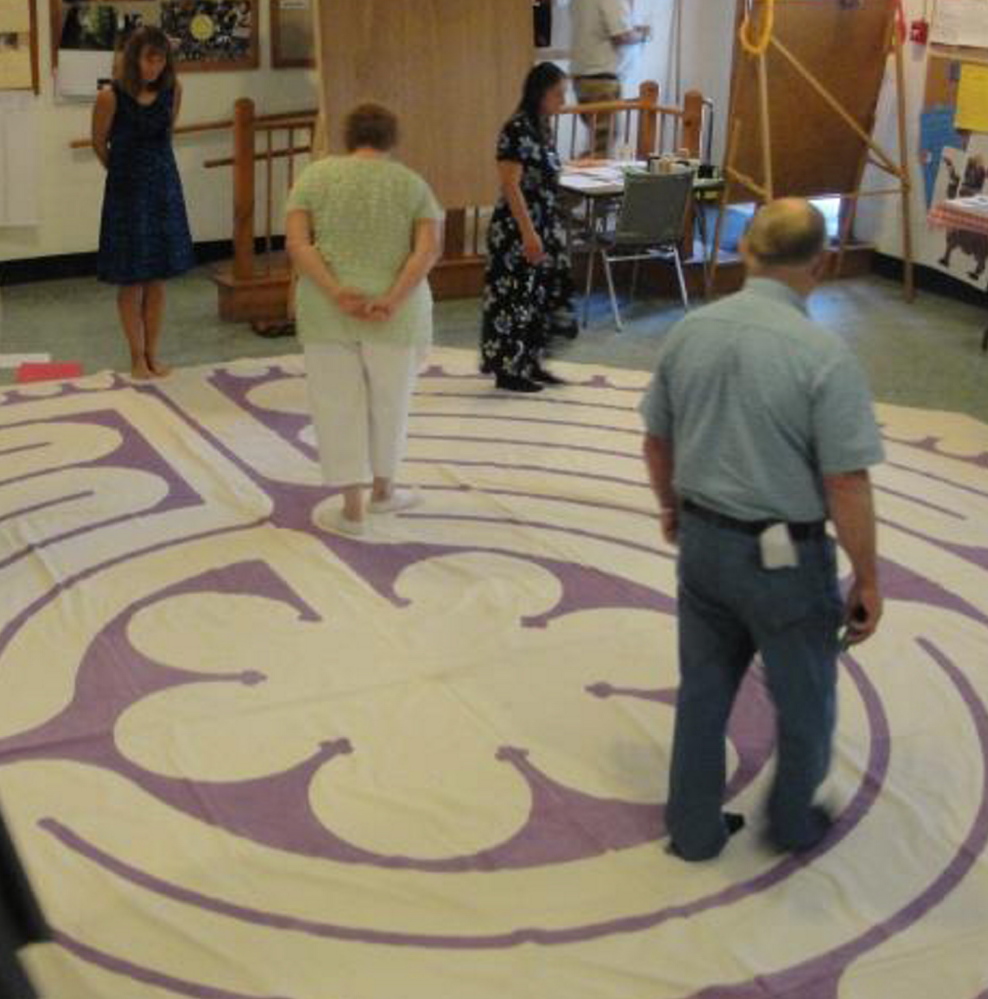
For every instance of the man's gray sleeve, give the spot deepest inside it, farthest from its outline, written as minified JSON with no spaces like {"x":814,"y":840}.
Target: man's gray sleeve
{"x":845,"y":431}
{"x":656,"y":406}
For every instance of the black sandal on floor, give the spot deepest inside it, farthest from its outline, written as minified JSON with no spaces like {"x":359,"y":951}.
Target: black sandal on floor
{"x":514,"y":383}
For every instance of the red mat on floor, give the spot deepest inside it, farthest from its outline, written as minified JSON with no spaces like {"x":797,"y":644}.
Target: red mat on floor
{"x":48,"y":372}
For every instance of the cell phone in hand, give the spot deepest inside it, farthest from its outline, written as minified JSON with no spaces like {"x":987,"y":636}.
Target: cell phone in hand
{"x":846,"y":638}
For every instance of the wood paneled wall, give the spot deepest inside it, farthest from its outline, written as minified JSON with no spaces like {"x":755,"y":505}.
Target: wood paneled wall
{"x":451,"y":69}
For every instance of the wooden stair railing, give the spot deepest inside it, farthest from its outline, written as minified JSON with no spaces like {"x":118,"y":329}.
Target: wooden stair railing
{"x":255,"y":287}
{"x":250,"y":289}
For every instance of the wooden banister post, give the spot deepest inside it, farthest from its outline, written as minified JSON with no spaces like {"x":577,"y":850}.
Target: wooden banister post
{"x":243,"y":189}
{"x":692,"y":134}
{"x":691,"y":139}
{"x":648,"y":119}
{"x":455,"y":236}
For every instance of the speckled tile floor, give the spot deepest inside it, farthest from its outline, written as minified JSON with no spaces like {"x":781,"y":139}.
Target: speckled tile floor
{"x":926,"y":354}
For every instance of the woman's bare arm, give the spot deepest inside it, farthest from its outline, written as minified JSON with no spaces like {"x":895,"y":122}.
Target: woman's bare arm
{"x":103,"y":113}
{"x":177,"y":103}
{"x":510,"y":173}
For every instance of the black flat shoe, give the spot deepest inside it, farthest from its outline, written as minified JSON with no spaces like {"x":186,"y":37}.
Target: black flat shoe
{"x":540,"y":374}
{"x":513,"y":383}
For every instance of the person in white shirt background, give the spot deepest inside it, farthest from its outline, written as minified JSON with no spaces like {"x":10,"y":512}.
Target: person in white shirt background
{"x":605,"y":37}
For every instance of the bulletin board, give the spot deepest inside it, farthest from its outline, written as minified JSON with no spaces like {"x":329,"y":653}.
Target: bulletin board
{"x":814,"y":151}
{"x":293,"y":34}
{"x":954,"y":141}
{"x":19,"y":45}
{"x":940,"y":129}
{"x":451,"y":69}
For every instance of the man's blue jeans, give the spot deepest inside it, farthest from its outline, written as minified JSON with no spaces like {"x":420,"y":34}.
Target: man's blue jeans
{"x":729,"y":609}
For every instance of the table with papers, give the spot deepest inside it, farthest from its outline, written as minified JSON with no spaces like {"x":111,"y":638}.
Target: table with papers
{"x":601,"y":184}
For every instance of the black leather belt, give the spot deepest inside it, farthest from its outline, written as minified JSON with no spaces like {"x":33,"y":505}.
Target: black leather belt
{"x":599,"y":76}
{"x":800,"y":532}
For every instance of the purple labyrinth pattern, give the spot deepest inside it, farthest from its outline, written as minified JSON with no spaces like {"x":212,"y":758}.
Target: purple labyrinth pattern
{"x":249,"y":759}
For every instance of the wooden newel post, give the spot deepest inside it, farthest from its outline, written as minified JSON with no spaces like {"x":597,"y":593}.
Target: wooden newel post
{"x":455,"y":235}
{"x":243,"y":189}
{"x":648,"y":120}
{"x":692,"y":134}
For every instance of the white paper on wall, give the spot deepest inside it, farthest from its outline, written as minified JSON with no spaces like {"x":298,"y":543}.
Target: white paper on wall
{"x":961,"y":22}
{"x":961,"y":253}
{"x":80,"y":72}
{"x":18,"y":160}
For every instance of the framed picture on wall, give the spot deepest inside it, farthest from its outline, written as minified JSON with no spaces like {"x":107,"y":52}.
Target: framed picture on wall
{"x":207,"y":35}
{"x":19,"y":45}
{"x":86,"y":36}
{"x":293,"y":39}
{"x":212,"y":35}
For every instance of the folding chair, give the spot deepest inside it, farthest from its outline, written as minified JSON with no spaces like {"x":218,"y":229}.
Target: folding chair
{"x":650,"y":226}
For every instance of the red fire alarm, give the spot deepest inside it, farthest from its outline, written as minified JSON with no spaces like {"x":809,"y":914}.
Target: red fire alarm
{"x":919,"y":31}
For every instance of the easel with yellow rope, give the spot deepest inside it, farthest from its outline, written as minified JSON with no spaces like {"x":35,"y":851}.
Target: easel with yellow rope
{"x":761,"y":17}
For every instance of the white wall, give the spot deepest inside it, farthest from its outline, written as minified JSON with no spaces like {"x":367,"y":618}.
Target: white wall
{"x":708,"y":54}
{"x":70,"y":183}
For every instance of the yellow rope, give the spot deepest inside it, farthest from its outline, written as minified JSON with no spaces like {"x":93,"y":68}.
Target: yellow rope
{"x":760,"y":47}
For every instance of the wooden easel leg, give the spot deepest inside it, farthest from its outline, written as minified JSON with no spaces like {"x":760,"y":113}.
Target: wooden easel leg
{"x":766,"y":127}
{"x":907,"y":214}
{"x":713,"y":260}
{"x":850,"y":210}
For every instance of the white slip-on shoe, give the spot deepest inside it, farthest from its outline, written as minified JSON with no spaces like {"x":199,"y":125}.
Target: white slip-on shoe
{"x":336,"y":523}
{"x":399,"y":500}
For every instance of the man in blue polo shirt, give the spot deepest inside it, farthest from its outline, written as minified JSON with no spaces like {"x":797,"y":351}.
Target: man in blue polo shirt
{"x":760,"y":427}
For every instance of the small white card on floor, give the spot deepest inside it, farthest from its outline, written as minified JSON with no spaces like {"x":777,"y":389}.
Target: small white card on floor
{"x":16,"y":360}
{"x":778,"y":550}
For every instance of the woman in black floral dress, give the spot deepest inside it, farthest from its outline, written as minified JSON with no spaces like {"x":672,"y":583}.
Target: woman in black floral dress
{"x":529,"y":292}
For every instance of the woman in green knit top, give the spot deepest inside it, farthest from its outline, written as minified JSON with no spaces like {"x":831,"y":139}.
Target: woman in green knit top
{"x":363,"y":232}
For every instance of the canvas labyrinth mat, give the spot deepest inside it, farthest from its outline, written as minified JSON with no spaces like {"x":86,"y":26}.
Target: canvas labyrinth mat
{"x":247,"y":759}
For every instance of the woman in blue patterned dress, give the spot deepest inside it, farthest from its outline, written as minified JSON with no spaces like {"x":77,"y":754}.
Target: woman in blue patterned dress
{"x":144,"y":237}
{"x":529,"y":291}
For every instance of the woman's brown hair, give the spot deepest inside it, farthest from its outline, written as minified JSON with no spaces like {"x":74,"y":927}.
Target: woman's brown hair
{"x":152,"y":38}
{"x":371,"y":126}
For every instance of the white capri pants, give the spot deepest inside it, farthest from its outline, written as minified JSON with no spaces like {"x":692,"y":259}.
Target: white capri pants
{"x":360,"y":395}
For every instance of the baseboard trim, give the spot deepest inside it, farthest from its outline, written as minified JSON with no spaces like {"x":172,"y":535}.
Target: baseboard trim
{"x":930,"y":279}
{"x":83,"y":265}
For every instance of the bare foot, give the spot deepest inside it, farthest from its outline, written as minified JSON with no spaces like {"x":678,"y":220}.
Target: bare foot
{"x":158,"y":370}
{"x":140,"y":372}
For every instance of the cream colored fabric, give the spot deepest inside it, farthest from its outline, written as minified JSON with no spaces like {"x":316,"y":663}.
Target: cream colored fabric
{"x":359,"y":396}
{"x":179,"y":641}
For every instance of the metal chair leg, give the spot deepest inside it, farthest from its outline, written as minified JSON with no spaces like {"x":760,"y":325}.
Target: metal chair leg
{"x":591,"y":261}
{"x":682,"y":279}
{"x":610,"y":287}
{"x":634,"y":279}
